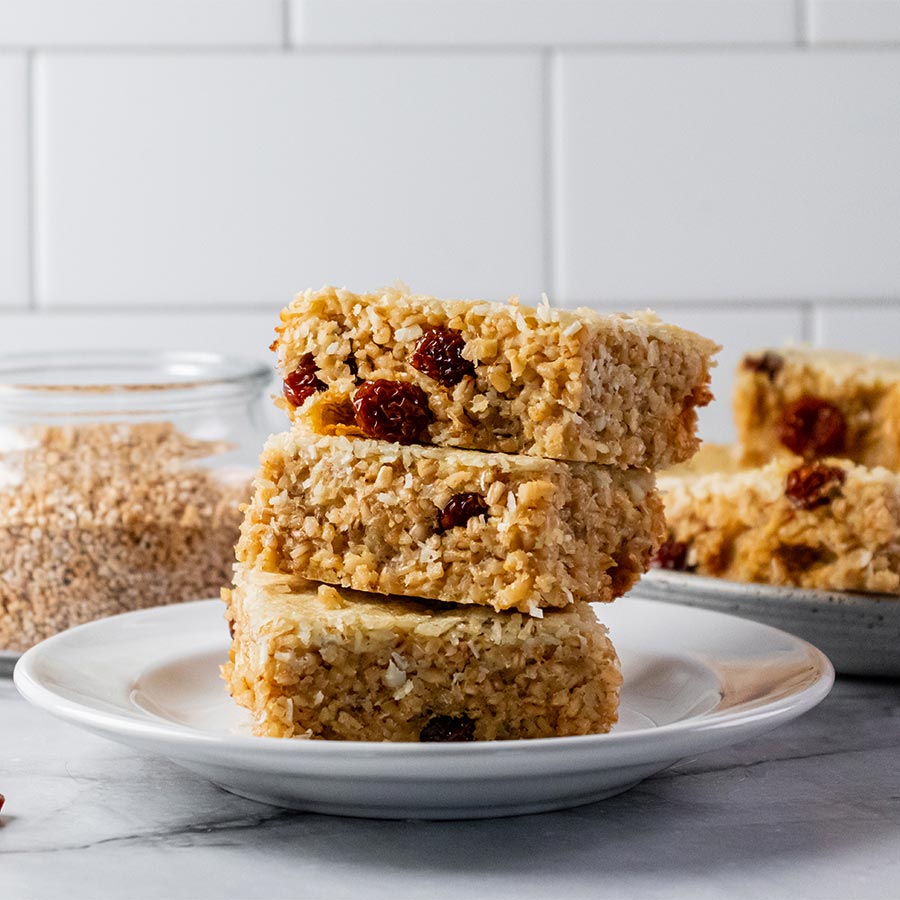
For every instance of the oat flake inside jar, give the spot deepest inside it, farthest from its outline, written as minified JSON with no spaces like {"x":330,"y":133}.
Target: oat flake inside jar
{"x":121,"y":476}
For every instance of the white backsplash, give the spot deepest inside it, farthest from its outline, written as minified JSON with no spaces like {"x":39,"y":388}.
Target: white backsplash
{"x":171,"y":171}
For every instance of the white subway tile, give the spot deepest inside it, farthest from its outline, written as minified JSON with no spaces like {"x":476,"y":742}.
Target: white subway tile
{"x":141,"y":23}
{"x":14,"y":240}
{"x":853,"y":21}
{"x":859,"y":327}
{"x":220,"y":179}
{"x":742,"y":176}
{"x":540,"y":22}
{"x":738,"y":330}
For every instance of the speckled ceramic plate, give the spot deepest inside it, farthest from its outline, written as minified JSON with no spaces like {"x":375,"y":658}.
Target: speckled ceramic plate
{"x":8,"y":660}
{"x":694,"y":681}
{"x":860,"y":633}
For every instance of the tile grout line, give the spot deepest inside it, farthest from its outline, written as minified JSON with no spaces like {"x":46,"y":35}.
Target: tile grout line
{"x":801,"y":24}
{"x":801,"y":42}
{"x":808,"y":322}
{"x":286,"y":24}
{"x":30,"y":182}
{"x":548,"y":223}
{"x":126,"y":309}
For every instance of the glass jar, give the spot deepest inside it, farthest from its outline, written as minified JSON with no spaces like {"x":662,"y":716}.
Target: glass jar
{"x":121,"y":477}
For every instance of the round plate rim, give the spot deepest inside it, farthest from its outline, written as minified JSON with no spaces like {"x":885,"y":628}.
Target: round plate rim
{"x":179,"y":739}
{"x":707,"y":584}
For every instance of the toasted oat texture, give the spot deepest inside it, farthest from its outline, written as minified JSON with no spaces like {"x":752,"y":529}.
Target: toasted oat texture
{"x":454,"y":525}
{"x":320,"y":662}
{"x":829,"y":525}
{"x":618,"y":390}
{"x":99,"y":519}
{"x":865,"y":392}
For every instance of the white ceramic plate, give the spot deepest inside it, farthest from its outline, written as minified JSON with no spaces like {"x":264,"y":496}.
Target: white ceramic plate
{"x":694,"y":681}
{"x":860,"y":633}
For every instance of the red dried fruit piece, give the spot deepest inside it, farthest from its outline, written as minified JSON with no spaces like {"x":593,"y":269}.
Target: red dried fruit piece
{"x":460,"y":508}
{"x":2,"y":801}
{"x":813,"y":484}
{"x":769,"y":364}
{"x":672,"y":554}
{"x":811,"y":426}
{"x":392,"y":410}
{"x":303,"y":382}
{"x":797,"y":558}
{"x":439,"y":356}
{"x":448,"y":729}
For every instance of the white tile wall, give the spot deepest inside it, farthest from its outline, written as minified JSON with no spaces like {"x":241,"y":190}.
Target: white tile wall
{"x":14,"y":219}
{"x":854,"y":21}
{"x":178,"y":23}
{"x":728,"y":177}
{"x":862,"y":328}
{"x":237,"y":179}
{"x":541,"y":22}
{"x":171,"y":171}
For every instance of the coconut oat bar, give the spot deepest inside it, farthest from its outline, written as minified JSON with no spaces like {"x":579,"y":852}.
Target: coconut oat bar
{"x":318,"y":662}
{"x":454,"y":525}
{"x":818,"y":403}
{"x":827,"y":524}
{"x":619,"y":390}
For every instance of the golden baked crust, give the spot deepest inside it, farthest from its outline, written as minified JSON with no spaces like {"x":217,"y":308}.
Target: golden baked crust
{"x":865,"y":391}
{"x":321,"y":662}
{"x":367,"y":515}
{"x":620,"y":390}
{"x":763,"y":525}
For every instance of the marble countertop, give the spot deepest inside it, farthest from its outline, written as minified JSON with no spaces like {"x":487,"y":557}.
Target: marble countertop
{"x":810,"y":810}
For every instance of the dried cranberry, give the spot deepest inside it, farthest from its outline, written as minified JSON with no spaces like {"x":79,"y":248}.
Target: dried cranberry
{"x":672,"y":554}
{"x":769,"y":364}
{"x":813,"y":484}
{"x":439,"y":356}
{"x":303,"y":382}
{"x":811,"y":426}
{"x":799,"y":557}
{"x":392,"y":410}
{"x":447,"y":729}
{"x":460,"y":508}
{"x":2,"y":801}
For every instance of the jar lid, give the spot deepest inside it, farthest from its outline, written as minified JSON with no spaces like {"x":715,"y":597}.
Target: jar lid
{"x":104,"y":382}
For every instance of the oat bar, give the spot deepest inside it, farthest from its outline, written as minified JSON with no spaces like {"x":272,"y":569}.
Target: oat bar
{"x":827,"y":524}
{"x":818,"y":403}
{"x":620,"y":390}
{"x":454,"y":525}
{"x":319,"y":662}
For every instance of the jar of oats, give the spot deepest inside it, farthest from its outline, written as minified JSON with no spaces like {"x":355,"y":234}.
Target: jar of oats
{"x":121,"y":478}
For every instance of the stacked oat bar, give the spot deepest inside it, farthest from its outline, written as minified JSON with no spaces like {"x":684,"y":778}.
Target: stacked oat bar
{"x":810,"y":495}
{"x":460,"y":479}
